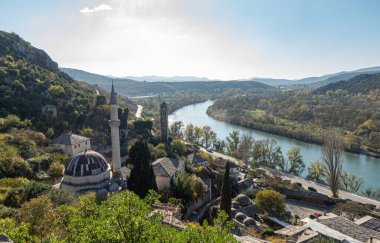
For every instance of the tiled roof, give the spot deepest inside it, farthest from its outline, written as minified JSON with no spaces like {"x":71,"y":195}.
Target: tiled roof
{"x":69,"y":139}
{"x":195,"y":159}
{"x":369,"y":222}
{"x":166,"y":166}
{"x":304,"y":193}
{"x":349,"y":228}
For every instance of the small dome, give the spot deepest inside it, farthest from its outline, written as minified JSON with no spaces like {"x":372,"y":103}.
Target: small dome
{"x":233,"y":211}
{"x":114,"y":187}
{"x":235,"y":204}
{"x":249,"y":222}
{"x":240,"y":216}
{"x":102,"y":192}
{"x":243,"y":199}
{"x":86,"y":163}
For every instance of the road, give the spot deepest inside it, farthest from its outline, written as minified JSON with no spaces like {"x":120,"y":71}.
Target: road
{"x":305,"y":183}
{"x":139,"y":111}
{"x":326,"y":190}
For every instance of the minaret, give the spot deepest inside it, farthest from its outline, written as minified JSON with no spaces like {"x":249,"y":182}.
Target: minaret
{"x":164,"y":122}
{"x":114,"y":123}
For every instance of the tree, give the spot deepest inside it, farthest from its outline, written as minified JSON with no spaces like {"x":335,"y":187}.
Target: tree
{"x":225,"y":201}
{"x":233,"y":141}
{"x":245,"y":147}
{"x":352,"y":210}
{"x":268,"y":153}
{"x":56,"y":169}
{"x":38,"y":213}
{"x":189,"y":132}
{"x":332,"y":156}
{"x":198,"y":132}
{"x":179,"y":147}
{"x":187,"y":187}
{"x":295,"y":160}
{"x":270,"y":202}
{"x":316,"y":171}
{"x":87,"y":132}
{"x":351,"y":182}
{"x":50,"y":132}
{"x":176,"y":129}
{"x":142,"y":178}
{"x":209,"y":136}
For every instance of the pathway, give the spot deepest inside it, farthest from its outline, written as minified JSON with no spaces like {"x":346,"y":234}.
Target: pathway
{"x":139,"y":111}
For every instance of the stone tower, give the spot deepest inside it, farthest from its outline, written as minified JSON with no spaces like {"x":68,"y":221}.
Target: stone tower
{"x":164,"y":122}
{"x":114,"y":123}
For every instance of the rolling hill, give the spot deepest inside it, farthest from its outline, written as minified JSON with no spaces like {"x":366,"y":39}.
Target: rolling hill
{"x":30,"y":80}
{"x":138,"y":88}
{"x":362,"y":83}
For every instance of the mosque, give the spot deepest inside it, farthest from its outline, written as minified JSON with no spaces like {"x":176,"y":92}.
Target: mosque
{"x":88,"y":170}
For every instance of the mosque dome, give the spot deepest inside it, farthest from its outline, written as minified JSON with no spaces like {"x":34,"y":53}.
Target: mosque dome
{"x":86,"y":163}
{"x":87,"y":170}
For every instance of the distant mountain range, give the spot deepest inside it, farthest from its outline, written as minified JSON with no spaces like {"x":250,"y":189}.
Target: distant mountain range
{"x":309,"y":81}
{"x":130,"y":87}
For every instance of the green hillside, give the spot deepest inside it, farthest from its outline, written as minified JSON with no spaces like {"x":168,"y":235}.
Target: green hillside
{"x":30,"y":80}
{"x":362,"y":83}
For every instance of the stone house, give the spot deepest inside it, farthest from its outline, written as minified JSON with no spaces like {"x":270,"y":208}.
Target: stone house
{"x":165,"y":169}
{"x":71,"y":144}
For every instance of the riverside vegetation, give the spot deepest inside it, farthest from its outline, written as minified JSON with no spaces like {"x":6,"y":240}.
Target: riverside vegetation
{"x":307,"y":114}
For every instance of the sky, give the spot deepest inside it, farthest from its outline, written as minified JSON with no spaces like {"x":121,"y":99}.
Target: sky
{"x":218,"y":39}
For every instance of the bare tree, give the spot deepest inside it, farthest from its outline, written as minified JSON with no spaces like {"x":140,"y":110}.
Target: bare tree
{"x":245,"y":147}
{"x":332,"y":157}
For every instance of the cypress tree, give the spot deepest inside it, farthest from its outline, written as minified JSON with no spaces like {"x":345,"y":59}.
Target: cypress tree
{"x":225,"y":201}
{"x":142,"y":178}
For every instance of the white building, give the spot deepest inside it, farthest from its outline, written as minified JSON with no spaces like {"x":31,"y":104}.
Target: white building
{"x":71,"y":143}
{"x":165,"y":169}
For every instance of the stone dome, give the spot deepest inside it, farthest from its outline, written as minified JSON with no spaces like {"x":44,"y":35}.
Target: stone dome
{"x":249,"y":222}
{"x":86,"y":163}
{"x":235,"y":204}
{"x":243,"y":199}
{"x":240,"y":216}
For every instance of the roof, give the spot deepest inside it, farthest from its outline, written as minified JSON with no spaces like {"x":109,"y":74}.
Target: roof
{"x":69,"y":139}
{"x":304,"y":193}
{"x":279,"y":222}
{"x":290,"y":231}
{"x":194,"y":158}
{"x":348,"y":227}
{"x":86,"y":163}
{"x":307,"y":236}
{"x":369,"y":223}
{"x":220,"y":162}
{"x":245,"y":184}
{"x":329,"y":232}
{"x":166,"y":167}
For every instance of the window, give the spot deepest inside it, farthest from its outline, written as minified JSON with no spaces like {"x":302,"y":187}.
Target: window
{"x":78,"y":145}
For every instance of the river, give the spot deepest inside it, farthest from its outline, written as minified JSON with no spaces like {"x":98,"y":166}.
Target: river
{"x":361,"y":165}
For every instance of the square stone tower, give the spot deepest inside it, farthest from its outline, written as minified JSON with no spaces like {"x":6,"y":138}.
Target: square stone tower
{"x":164,"y":122}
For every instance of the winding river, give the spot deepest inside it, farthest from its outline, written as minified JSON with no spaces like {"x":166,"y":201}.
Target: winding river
{"x":361,"y":165}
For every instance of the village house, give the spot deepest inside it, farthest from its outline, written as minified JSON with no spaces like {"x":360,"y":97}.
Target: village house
{"x":220,"y":164}
{"x":71,"y":143}
{"x":165,"y":169}
{"x":369,"y":222}
{"x":196,"y":160}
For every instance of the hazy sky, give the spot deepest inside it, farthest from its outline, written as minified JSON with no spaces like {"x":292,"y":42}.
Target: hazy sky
{"x":224,"y":39}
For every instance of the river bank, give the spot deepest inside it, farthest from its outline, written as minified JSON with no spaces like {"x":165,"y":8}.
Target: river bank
{"x":284,"y":131}
{"x":361,"y":165}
